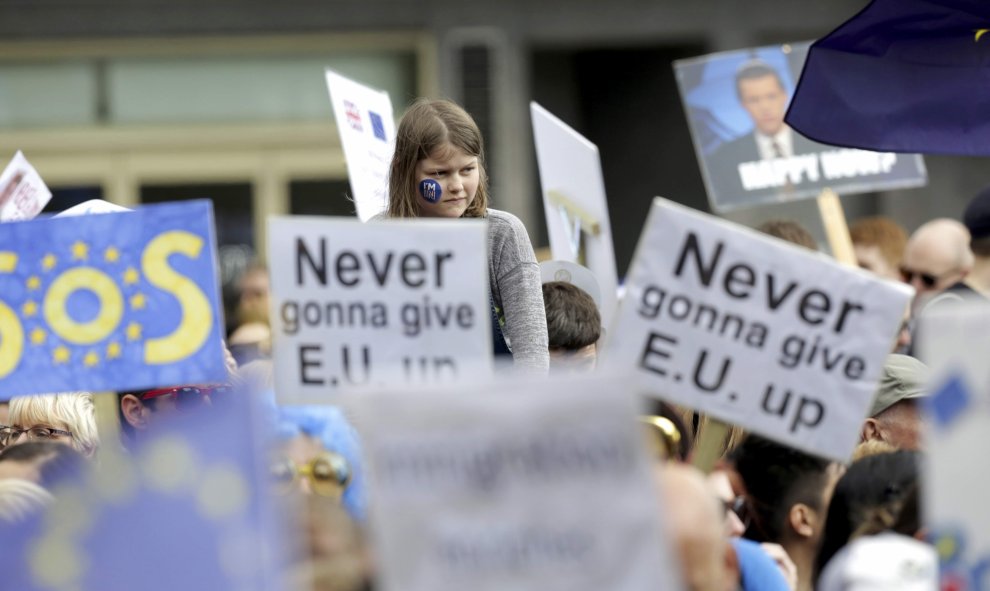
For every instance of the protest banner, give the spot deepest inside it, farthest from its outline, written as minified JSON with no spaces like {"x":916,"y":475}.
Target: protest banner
{"x":953,"y":344}
{"x":367,"y":135}
{"x":357,"y":305}
{"x":735,"y":103}
{"x":574,"y":201}
{"x":188,"y":508}
{"x":521,"y":485}
{"x":754,"y":331}
{"x":22,"y":192}
{"x":118,"y":301}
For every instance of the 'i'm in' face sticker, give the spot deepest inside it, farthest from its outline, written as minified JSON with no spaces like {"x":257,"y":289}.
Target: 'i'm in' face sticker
{"x":430,"y":190}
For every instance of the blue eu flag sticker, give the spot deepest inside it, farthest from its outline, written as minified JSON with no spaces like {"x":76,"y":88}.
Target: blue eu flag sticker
{"x":110,"y":301}
{"x":377,"y":126}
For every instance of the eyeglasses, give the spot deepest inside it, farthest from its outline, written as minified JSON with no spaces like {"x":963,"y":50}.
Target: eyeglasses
{"x":9,"y":435}
{"x":665,"y":437}
{"x":927,"y":279}
{"x":329,"y":474}
{"x":186,"y":396}
{"x":738,"y":506}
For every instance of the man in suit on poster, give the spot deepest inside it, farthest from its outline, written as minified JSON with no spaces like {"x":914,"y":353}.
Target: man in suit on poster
{"x":762,"y":94}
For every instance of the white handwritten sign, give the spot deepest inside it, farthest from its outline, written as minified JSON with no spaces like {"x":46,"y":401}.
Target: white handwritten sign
{"x":754,"y":331}
{"x":367,"y":134}
{"x":357,"y":305}
{"x":954,"y":343}
{"x":22,"y":192}
{"x":570,"y":166}
{"x":531,"y":485}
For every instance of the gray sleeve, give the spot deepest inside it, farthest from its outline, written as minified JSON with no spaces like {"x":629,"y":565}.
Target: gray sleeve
{"x":518,"y":292}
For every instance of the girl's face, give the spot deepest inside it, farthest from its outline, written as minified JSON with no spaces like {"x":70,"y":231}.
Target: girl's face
{"x":458,"y":175}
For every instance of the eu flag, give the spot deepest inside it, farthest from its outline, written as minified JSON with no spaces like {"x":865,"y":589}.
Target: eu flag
{"x":901,"y":76}
{"x":116,"y":301}
{"x":187,"y":509}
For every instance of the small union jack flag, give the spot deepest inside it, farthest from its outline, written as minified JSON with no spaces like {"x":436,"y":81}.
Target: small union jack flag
{"x":353,"y":116}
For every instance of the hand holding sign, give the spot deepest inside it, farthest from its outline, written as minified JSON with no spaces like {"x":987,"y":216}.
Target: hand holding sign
{"x":754,"y":332}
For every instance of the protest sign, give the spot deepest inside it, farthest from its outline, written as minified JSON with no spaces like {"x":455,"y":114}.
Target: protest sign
{"x":117,"y":301}
{"x":188,"y":508}
{"x":735,"y":103}
{"x":541,"y":485}
{"x":357,"y":305}
{"x":367,"y":134}
{"x":22,"y":192}
{"x":953,"y":343}
{"x":574,"y":201}
{"x":754,"y":331}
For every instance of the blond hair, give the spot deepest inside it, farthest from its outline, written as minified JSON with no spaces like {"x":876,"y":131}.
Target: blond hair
{"x":19,"y":499}
{"x":70,"y":411}
{"x":428,"y":126}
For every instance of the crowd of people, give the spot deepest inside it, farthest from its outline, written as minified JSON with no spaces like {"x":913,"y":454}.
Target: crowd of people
{"x":767,"y":517}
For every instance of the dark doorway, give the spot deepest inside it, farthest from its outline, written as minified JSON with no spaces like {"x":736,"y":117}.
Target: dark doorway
{"x":626,"y":102}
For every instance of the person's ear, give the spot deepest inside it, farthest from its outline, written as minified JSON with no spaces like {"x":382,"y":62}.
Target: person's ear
{"x":870,"y":430}
{"x":134,"y":411}
{"x":802,"y":519}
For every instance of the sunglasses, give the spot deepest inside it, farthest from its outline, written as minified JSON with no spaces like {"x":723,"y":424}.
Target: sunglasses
{"x":329,"y":474}
{"x":927,"y":279}
{"x":188,"y":396}
{"x":738,"y":506}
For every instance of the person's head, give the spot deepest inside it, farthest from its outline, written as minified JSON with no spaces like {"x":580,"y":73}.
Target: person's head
{"x":879,"y":244}
{"x":790,"y":231}
{"x":894,"y":416}
{"x":20,"y":499}
{"x":871,"y":490}
{"x":787,"y":491}
{"x":438,"y":167}
{"x":253,"y":295}
{"x":319,"y":453}
{"x":44,"y":462}
{"x":67,"y":417}
{"x":573,"y":326}
{"x":761,"y":92}
{"x":977,"y":220}
{"x":139,"y":410}
{"x":695,"y":524}
{"x":937,"y":255}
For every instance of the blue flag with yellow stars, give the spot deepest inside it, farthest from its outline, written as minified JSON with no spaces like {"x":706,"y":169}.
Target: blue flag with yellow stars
{"x":115,"y":301}
{"x":189,"y":508}
{"x":901,"y":76}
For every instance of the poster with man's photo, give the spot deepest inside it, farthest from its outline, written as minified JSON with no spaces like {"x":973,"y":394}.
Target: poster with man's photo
{"x":735,"y":103}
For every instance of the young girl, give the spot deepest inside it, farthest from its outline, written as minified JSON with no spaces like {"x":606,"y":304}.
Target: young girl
{"x":438,"y":171}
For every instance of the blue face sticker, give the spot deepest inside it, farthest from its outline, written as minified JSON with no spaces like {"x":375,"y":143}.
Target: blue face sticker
{"x":430,"y":190}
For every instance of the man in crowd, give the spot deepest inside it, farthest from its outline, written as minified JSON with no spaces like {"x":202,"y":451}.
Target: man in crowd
{"x":937,"y":257}
{"x":574,"y":326}
{"x":787,"y":492}
{"x":894,"y":417}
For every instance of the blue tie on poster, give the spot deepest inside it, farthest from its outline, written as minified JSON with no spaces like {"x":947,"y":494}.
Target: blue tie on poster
{"x":112,"y":301}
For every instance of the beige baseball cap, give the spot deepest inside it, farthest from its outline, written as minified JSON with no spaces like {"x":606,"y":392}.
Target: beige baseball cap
{"x":903,"y":378}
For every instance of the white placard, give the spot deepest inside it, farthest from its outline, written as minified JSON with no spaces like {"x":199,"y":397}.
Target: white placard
{"x":22,"y":192}
{"x":954,"y":343}
{"x":570,"y":165}
{"x":367,"y":134}
{"x":532,"y":485}
{"x":754,"y":331}
{"x":362,"y":305}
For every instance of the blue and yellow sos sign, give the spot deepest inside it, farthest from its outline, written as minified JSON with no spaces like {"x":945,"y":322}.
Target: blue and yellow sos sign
{"x":110,"y":301}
